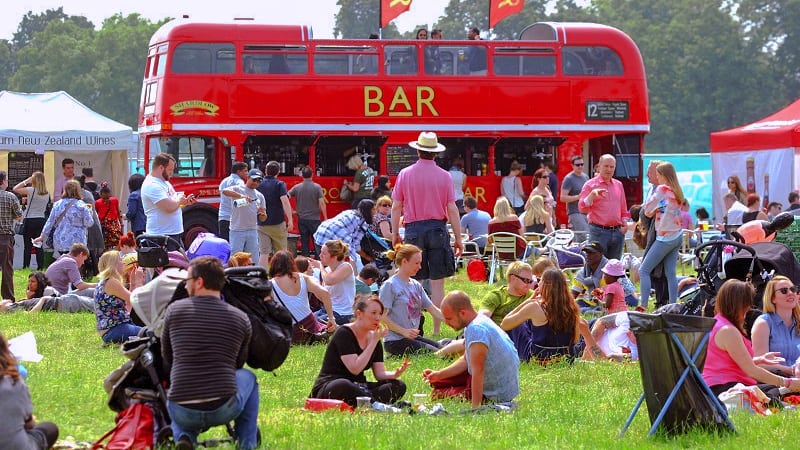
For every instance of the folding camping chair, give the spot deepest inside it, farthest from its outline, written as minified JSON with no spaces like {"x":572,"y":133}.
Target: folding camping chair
{"x":668,"y":371}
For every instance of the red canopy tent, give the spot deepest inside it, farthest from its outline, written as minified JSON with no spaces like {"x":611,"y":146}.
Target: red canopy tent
{"x":763,"y":154}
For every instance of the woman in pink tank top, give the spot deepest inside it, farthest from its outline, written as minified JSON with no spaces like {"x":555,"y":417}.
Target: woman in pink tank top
{"x":730,"y":358}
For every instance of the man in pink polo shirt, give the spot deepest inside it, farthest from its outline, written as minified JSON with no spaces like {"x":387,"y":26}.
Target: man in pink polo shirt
{"x":603,"y":200}
{"x":424,"y":196}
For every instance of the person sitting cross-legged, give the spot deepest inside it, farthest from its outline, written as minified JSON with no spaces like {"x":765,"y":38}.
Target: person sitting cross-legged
{"x":352,"y":350}
{"x":489,"y":369}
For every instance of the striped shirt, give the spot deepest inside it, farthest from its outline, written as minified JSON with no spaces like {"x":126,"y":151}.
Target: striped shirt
{"x":204,"y":341}
{"x":9,"y":211}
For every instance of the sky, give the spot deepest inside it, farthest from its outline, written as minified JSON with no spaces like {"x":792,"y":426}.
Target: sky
{"x":317,"y":13}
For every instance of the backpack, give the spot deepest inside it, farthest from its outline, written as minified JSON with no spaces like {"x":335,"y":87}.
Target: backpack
{"x":135,"y":429}
{"x":476,"y":270}
{"x":271,"y":322}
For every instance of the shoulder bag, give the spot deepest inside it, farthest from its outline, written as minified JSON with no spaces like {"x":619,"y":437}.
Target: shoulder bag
{"x":19,"y":228}
{"x":49,"y":241}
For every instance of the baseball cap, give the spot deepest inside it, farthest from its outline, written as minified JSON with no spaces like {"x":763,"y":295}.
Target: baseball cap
{"x":593,"y":246}
{"x":255,"y":174}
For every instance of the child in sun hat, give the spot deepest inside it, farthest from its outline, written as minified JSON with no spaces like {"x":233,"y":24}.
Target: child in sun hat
{"x":614,"y":295}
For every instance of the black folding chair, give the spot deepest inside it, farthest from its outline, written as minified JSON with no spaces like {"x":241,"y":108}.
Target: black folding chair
{"x":677,"y":396}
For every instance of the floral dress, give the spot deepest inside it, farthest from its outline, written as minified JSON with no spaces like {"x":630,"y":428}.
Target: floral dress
{"x":68,"y":221}
{"x":109,"y":310}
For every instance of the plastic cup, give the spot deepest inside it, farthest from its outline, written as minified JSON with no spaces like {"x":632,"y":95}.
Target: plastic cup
{"x":704,"y":225}
{"x":419,"y":399}
{"x":363,"y":402}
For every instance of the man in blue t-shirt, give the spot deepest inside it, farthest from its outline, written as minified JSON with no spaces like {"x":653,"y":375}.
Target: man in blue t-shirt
{"x":490,"y":359}
{"x":475,"y":222}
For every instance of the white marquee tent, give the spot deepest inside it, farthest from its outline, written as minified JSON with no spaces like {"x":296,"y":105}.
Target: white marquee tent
{"x":57,"y":126}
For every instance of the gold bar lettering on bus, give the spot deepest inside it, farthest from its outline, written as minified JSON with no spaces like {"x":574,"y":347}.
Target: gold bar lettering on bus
{"x":400,"y":106}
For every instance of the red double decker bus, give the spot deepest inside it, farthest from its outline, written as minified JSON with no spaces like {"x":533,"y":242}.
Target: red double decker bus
{"x":214,"y":93}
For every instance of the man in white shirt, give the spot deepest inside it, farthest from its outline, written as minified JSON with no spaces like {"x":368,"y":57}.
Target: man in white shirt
{"x":237,"y":177}
{"x":162,"y":205}
{"x":735,"y":209}
{"x":248,"y":206}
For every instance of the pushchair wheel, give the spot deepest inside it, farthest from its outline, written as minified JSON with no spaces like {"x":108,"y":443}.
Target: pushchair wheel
{"x":164,"y":435}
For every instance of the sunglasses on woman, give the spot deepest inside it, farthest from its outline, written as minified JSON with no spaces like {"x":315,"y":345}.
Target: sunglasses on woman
{"x":785,"y":290}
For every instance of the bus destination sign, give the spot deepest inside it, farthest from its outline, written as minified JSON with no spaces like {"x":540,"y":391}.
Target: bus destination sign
{"x":607,"y":111}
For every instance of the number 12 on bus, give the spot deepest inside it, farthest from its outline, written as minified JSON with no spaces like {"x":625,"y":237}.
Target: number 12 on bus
{"x":214,"y":93}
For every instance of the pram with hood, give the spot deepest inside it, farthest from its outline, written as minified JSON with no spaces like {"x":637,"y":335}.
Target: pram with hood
{"x":376,"y":247}
{"x":719,"y":260}
{"x":145,"y":377}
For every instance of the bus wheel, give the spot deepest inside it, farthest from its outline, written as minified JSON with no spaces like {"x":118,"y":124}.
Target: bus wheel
{"x":195,"y":223}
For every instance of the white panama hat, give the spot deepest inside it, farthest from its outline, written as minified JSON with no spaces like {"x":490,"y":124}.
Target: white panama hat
{"x":427,"y":142}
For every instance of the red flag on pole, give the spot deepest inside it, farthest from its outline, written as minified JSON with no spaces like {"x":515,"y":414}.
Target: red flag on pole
{"x":500,"y":9}
{"x":390,"y":9}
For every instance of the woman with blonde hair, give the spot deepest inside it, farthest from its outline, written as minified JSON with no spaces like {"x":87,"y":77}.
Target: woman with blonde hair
{"x":339,"y":278}
{"x":34,"y":188}
{"x":18,"y":429}
{"x":537,"y":218}
{"x":405,"y":299}
{"x":548,"y":326}
{"x":381,"y":220}
{"x":70,"y":217}
{"x":113,"y":301}
{"x":664,"y":205}
{"x":778,"y":329}
{"x":505,"y":221}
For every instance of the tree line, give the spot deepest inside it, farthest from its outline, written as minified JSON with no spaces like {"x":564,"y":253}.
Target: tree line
{"x":711,"y":64}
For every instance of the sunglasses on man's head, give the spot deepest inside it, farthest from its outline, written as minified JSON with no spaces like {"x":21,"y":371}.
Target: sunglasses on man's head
{"x":524,"y":280}
{"x":785,"y":290}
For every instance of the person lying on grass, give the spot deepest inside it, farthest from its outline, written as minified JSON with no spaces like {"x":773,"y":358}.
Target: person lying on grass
{"x":43,"y":297}
{"x":352,"y":350}
{"x":489,"y":369}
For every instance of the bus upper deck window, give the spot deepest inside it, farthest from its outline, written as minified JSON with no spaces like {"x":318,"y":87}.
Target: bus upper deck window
{"x":203,"y":58}
{"x":401,"y":59}
{"x":594,"y":61}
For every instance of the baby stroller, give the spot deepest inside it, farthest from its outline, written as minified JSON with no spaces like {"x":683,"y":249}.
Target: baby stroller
{"x":145,"y":377}
{"x":719,"y":260}
{"x":376,"y":247}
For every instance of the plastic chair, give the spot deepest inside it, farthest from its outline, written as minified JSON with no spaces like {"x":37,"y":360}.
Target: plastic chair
{"x":504,"y":251}
{"x":677,"y":396}
{"x":471,"y":250}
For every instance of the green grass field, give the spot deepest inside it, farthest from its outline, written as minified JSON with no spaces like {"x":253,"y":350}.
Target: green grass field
{"x":580,"y":406}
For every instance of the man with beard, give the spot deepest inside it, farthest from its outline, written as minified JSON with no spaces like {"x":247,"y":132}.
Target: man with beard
{"x":162,"y":205}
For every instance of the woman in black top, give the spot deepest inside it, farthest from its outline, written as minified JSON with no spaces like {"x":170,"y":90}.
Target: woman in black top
{"x":354,"y":348}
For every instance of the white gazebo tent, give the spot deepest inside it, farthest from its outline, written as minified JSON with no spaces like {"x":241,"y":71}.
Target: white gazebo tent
{"x":57,"y":126}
